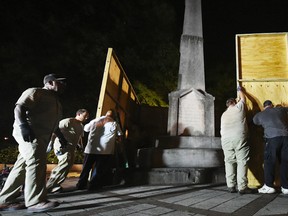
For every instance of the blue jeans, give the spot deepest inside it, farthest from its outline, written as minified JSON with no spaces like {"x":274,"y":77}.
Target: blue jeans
{"x":276,"y":148}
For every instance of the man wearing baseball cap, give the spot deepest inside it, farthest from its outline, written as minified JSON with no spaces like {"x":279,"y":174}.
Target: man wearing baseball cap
{"x":274,"y":120}
{"x":37,"y":113}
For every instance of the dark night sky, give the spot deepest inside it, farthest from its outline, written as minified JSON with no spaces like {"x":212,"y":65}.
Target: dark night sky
{"x":222,"y":20}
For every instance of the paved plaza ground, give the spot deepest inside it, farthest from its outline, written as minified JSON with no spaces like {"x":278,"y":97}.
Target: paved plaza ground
{"x":166,"y":200}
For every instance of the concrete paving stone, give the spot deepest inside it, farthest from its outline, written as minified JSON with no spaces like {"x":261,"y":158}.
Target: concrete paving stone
{"x":178,"y":213}
{"x":157,"y":211}
{"x":67,"y":212}
{"x":234,"y":204}
{"x":118,"y":212}
{"x":138,"y":214}
{"x":208,"y":196}
{"x":183,"y":199}
{"x":140,"y":189}
{"x":141,"y":207}
{"x":198,"y":196}
{"x":168,"y":200}
{"x":214,"y":202}
{"x":278,"y":206}
{"x":178,"y":198}
{"x":147,"y":192}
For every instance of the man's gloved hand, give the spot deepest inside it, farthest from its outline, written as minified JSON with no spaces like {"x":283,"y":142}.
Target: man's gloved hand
{"x":27,"y":132}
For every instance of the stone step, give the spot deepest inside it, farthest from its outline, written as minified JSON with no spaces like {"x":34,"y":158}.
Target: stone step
{"x":162,"y":176}
{"x":180,"y":157}
{"x":187,"y":142}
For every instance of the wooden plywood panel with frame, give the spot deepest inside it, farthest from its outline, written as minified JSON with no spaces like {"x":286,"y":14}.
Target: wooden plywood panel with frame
{"x":116,"y":91}
{"x":262,"y":69}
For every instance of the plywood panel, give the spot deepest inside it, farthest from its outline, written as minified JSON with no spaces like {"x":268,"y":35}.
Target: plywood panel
{"x":262,"y":69}
{"x":117,"y":92}
{"x":262,"y":56}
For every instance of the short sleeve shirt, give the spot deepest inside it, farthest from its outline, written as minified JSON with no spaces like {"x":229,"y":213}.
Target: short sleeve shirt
{"x":233,"y":122}
{"x":72,"y":129}
{"x":274,"y":121}
{"x":45,"y":110}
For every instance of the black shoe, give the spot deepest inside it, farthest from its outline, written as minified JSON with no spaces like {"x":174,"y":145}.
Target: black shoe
{"x":248,"y":190}
{"x":232,"y":189}
{"x":80,"y":187}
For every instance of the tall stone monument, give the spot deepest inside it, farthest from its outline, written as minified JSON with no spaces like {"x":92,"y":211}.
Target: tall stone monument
{"x":191,"y":109}
{"x":191,"y":153}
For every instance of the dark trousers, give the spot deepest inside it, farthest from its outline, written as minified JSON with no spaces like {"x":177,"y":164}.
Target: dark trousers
{"x":276,"y":149}
{"x":101,"y":173}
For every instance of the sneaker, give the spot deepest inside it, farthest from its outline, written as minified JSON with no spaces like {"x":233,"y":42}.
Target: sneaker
{"x":231,"y":189}
{"x":12,"y":206}
{"x":247,"y":190}
{"x":42,"y":206}
{"x":266,"y":189}
{"x":284,"y":190}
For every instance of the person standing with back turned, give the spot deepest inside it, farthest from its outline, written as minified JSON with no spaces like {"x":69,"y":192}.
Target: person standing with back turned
{"x":37,"y":114}
{"x":234,"y":133}
{"x":99,"y":151}
{"x":275,"y":124}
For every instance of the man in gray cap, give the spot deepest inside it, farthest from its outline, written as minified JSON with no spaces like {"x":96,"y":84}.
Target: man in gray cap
{"x":274,"y":120}
{"x":37,"y":114}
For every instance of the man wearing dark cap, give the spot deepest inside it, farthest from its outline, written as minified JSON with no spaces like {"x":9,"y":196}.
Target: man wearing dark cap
{"x":274,"y":120}
{"x":234,"y":132}
{"x":37,"y":113}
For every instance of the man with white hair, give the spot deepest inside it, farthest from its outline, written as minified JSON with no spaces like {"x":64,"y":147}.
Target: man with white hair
{"x":99,"y":151}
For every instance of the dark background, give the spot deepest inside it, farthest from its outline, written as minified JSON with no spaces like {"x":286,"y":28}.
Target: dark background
{"x":72,"y":38}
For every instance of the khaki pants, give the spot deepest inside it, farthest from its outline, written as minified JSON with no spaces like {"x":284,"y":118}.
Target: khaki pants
{"x":28,"y":170}
{"x":236,"y":156}
{"x":60,"y":172}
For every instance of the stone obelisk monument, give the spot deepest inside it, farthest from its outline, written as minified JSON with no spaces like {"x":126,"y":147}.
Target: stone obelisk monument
{"x":191,"y":153}
{"x":191,"y":109}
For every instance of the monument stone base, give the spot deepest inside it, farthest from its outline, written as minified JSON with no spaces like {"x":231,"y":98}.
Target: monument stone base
{"x":175,"y":176}
{"x":180,"y":160}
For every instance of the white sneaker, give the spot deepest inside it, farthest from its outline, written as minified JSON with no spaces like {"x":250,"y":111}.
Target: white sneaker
{"x":267,"y":190}
{"x":284,"y":190}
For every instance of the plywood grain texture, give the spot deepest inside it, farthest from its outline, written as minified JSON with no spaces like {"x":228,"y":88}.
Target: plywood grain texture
{"x":117,"y":92}
{"x":262,"y":69}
